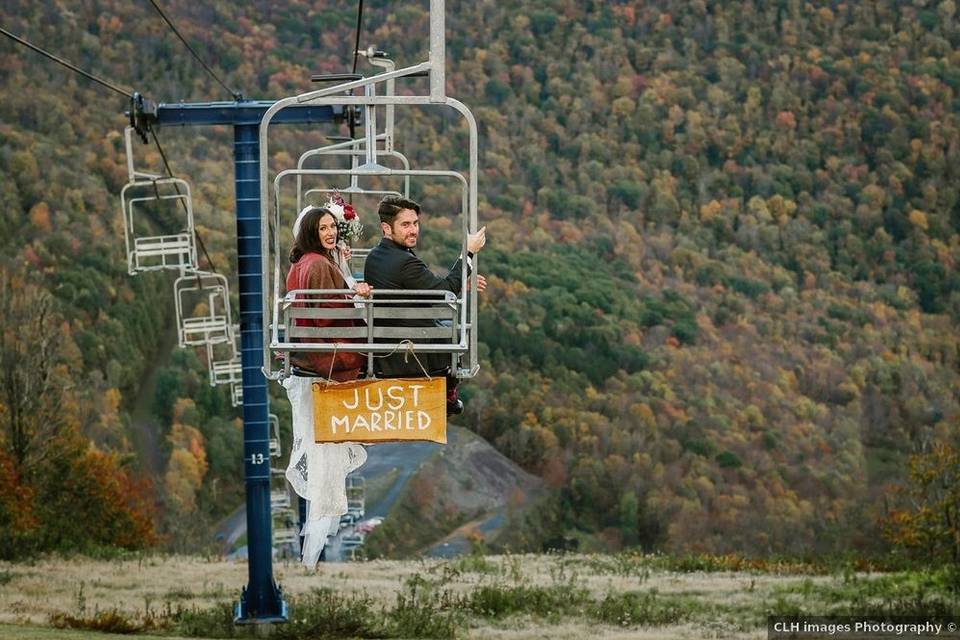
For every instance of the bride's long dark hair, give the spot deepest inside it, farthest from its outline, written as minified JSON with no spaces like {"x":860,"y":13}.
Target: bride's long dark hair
{"x":308,"y":236}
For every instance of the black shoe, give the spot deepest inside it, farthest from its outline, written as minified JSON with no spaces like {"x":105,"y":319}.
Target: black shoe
{"x":455,"y":408}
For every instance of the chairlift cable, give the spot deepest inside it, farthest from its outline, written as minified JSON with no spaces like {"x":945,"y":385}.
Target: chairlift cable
{"x":235,"y":94}
{"x":68,"y":65}
{"x":356,"y":44}
{"x":356,"y":54}
{"x":196,"y":233}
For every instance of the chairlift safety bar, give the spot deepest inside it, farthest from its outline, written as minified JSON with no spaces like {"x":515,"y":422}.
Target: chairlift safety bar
{"x":374,"y":337}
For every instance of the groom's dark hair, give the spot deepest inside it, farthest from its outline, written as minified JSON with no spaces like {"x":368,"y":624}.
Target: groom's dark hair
{"x":390,"y":206}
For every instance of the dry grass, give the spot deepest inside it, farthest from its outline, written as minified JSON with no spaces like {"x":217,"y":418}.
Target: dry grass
{"x":24,"y":632}
{"x":726,"y":604}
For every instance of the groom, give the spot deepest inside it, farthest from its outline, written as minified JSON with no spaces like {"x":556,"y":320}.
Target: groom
{"x":392,"y":264}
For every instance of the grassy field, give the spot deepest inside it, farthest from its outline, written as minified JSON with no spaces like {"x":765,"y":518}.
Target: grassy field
{"x":502,"y":597}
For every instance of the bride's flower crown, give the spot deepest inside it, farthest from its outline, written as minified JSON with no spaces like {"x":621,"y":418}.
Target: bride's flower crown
{"x":348,"y":222}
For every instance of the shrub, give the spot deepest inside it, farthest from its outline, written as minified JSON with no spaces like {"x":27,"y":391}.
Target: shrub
{"x":629,"y":609}
{"x":499,"y":601}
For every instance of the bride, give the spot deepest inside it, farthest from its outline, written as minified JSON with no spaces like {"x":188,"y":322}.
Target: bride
{"x":317,"y":471}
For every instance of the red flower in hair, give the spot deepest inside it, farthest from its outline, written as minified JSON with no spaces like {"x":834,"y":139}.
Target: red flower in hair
{"x":348,"y":222}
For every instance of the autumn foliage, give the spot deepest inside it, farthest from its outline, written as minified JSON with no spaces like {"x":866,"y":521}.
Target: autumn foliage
{"x":925,"y":520}
{"x":722,"y":244}
{"x":58,"y":491}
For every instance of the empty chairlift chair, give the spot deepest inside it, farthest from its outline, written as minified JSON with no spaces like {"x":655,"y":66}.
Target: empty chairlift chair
{"x":356,"y":497}
{"x":236,"y":394}
{"x":285,"y":536}
{"x":275,"y":449}
{"x":355,"y":148}
{"x":203,"y":309}
{"x":279,"y":500}
{"x":226,"y":372}
{"x":163,"y":204}
{"x":224,"y":361}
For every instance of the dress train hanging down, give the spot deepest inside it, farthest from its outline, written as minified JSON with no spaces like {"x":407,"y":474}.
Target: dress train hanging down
{"x":317,"y":472}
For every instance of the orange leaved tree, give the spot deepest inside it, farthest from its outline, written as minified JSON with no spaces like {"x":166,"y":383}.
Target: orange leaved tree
{"x":926,"y":520}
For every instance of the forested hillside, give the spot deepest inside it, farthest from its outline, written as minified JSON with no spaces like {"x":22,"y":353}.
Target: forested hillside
{"x":723,"y":238}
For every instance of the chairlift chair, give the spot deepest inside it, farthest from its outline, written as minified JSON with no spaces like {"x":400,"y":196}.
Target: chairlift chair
{"x":224,"y":361}
{"x":357,"y":510}
{"x":352,"y":540}
{"x":355,"y":148}
{"x":236,"y":395}
{"x":354,"y":188}
{"x":355,"y":152}
{"x":279,"y":500}
{"x":144,"y":192}
{"x":203,"y":288}
{"x":274,"y":423}
{"x":281,"y":311}
{"x":225,"y":371}
{"x":285,"y":536}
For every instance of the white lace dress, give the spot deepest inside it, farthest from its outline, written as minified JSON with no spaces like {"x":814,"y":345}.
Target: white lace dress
{"x":317,"y":472}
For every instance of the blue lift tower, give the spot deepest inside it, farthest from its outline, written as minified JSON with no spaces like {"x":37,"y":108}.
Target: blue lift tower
{"x":261,"y":600}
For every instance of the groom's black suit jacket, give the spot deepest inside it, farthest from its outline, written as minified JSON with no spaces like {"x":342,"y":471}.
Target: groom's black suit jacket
{"x":391,"y":266}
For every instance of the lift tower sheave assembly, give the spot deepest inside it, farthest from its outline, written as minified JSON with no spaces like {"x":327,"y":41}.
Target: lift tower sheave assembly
{"x":261,"y":600}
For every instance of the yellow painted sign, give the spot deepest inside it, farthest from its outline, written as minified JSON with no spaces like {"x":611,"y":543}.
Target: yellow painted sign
{"x":381,"y":410}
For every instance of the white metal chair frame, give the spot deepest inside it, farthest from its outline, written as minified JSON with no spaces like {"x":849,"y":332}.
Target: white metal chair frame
{"x":285,"y":536}
{"x":333,"y":96}
{"x":152,"y":253}
{"x":236,"y":394}
{"x":226,"y":370}
{"x":275,"y":448}
{"x":216,"y":326}
{"x":279,"y":500}
{"x":354,"y":187}
{"x":371,"y":137}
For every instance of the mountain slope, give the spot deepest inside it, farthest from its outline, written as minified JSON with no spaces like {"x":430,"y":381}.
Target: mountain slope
{"x":722,"y":252}
{"x":461,"y":494}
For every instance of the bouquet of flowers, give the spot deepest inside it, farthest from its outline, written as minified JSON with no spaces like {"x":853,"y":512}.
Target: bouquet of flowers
{"x":348,"y":222}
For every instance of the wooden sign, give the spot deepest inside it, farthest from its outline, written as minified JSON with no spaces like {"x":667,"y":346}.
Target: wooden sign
{"x":381,"y":410}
